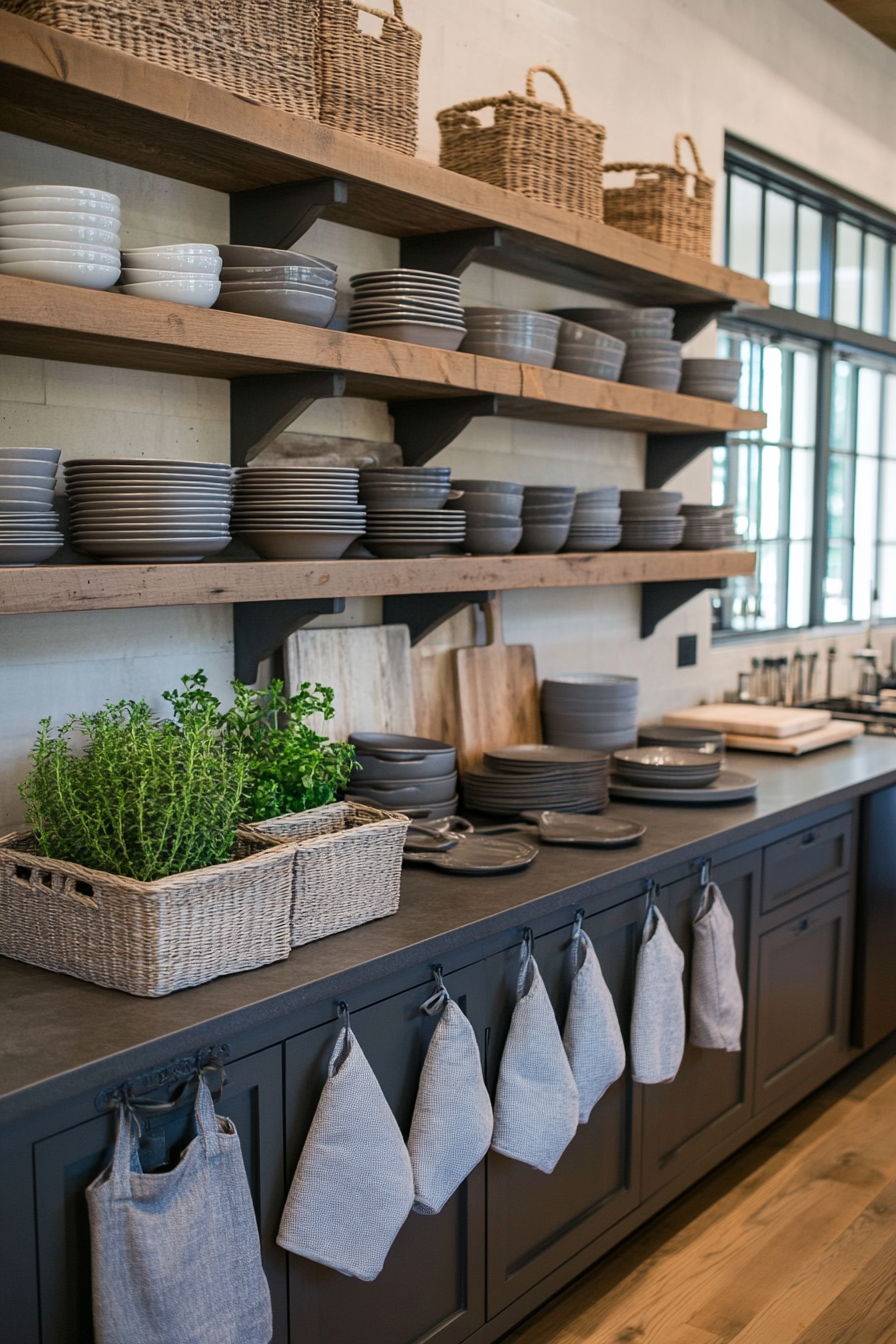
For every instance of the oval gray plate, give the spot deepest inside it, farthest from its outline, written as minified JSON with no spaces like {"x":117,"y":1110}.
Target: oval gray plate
{"x":730,"y":787}
{"x":575,"y":828}
{"x":481,"y":855}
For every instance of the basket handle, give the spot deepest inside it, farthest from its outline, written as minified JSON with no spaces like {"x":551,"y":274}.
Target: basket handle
{"x":381,"y":14}
{"x":546,"y":70}
{"x":683,"y":135}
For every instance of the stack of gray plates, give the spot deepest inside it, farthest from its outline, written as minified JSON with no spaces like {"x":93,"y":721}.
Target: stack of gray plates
{"x":402,"y":533}
{"x":666,"y":767}
{"x":535,"y":778}
{"x":414,"y":775}
{"x":717,"y":379}
{"x":591,"y":353}
{"x":70,"y":235}
{"x":298,"y":513}
{"x":650,"y":520}
{"x":674,"y":735}
{"x":29,"y":527}
{"x":405,"y":487}
{"x":708,"y":528}
{"x":272,"y":282}
{"x":595,"y":522}
{"x":547,"y":514}
{"x":590,"y":709}
{"x":626,"y":324}
{"x":512,"y":333}
{"x":422,"y":307}
{"x":149,"y":510}
{"x":493,"y":515}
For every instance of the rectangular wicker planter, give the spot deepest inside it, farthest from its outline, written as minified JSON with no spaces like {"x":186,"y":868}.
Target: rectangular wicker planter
{"x":347,"y":866}
{"x":146,"y":938}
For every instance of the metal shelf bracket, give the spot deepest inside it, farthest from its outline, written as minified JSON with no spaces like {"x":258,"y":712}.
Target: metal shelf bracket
{"x":264,"y":405}
{"x":659,"y":600}
{"x":668,"y":454}
{"x":260,"y":628}
{"x":691,"y":318}
{"x":450,"y":253}
{"x":278,"y":216}
{"x":423,"y":612}
{"x":424,"y":427}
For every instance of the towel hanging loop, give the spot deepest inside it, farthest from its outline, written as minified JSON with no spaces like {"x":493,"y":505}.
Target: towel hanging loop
{"x":650,"y":894}
{"x":344,"y":1014}
{"x":577,"y":926}
{"x":705,"y":866}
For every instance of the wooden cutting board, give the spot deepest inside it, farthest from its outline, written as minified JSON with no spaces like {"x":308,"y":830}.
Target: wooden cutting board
{"x":369,"y":668}
{"x":497,"y":693}
{"x":435,"y":693}
{"x":838,"y":730}
{"x":751,"y":720}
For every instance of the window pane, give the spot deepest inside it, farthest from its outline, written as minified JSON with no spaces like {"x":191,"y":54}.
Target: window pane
{"x":780,"y":216}
{"x":773,"y":390}
{"x":886,"y":581}
{"x":770,"y":567}
{"x":870,"y":384}
{"x":808,"y":261}
{"x":802,"y":483}
{"x":865,"y":533}
{"x":770,"y":501}
{"x":836,"y":583}
{"x":847,"y":274}
{"x":873,"y":281}
{"x":888,"y":501}
{"x":841,"y":406}
{"x":889,"y":444}
{"x":798,"y":584}
{"x":839,"y":495}
{"x":805,"y":373}
{"x":893,"y":293}
{"x":745,"y":206}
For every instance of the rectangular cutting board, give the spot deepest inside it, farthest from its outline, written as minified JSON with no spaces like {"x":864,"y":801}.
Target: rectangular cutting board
{"x":838,"y":730}
{"x":497,"y":694}
{"x":368,"y":667}
{"x":751,"y":720}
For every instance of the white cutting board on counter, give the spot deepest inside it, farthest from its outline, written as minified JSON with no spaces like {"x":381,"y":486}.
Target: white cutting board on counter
{"x":369,"y":669}
{"x":838,"y":730}
{"x":751,"y":720}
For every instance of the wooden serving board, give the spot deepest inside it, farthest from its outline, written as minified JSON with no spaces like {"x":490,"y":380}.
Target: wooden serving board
{"x":497,"y":694}
{"x":435,"y":693}
{"x":369,"y":668}
{"x":838,"y":730}
{"x":751,"y":720}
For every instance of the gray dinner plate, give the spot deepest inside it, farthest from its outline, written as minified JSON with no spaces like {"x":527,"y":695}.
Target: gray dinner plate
{"x":480,"y":855}
{"x":731,"y":786}
{"x":576,"y":828}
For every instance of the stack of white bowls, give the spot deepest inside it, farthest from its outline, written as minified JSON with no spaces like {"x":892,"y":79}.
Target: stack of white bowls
{"x":650,"y":520}
{"x":178,"y":272}
{"x":69,"y":235}
{"x":422,"y":307}
{"x":708,"y":528}
{"x":593,"y":710}
{"x":519,"y":334}
{"x":588,"y":352}
{"x":298,"y":513}
{"x":493,"y":509}
{"x":29,"y":527}
{"x":148,"y":510}
{"x":272,"y":282}
{"x":595,"y":522}
{"x":716,"y":379}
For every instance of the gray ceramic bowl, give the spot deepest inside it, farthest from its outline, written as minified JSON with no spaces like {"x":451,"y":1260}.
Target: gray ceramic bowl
{"x":482,"y":518}
{"x":370,"y":769}
{"x":507,"y":348}
{"x":492,"y":540}
{"x":595,"y":366}
{"x":491,"y":487}
{"x":542,"y":493}
{"x":391,"y":794}
{"x":504,"y":506}
{"x":313,"y":310}
{"x":543,"y":539}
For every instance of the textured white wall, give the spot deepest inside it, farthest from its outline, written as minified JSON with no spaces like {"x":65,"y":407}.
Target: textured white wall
{"x":790,"y":75}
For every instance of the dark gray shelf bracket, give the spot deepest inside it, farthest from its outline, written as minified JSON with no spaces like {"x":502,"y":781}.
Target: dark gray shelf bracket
{"x":424,"y":427}
{"x":667,"y":454}
{"x":278,"y":216}
{"x":659,"y":600}
{"x":450,"y":253}
{"x":691,"y":318}
{"x":260,"y":628}
{"x":264,"y":405}
{"x":423,"y":612}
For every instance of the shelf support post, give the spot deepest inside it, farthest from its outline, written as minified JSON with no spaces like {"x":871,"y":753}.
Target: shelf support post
{"x":424,"y":427}
{"x":667,"y":454}
{"x":691,"y":318}
{"x":264,"y":405}
{"x":659,"y":600}
{"x":278,"y":216}
{"x":260,"y":628}
{"x":449,"y":253}
{"x":424,"y":612}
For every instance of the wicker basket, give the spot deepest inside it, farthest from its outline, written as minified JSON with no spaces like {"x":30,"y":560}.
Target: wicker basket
{"x":368,"y":85}
{"x":347,"y":866}
{"x":662,"y":205}
{"x":263,"y":52}
{"x":147,"y":938}
{"x":548,"y":153}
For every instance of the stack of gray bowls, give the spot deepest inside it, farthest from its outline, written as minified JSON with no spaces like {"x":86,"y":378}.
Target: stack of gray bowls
{"x":547,"y":514}
{"x":512,"y":333}
{"x":652,"y":358}
{"x":414,"y":775}
{"x":406,"y":514}
{"x":273,"y":282}
{"x":588,"y":352}
{"x":595,"y":522}
{"x":650,"y":520}
{"x":715,"y":379}
{"x":29,"y":525}
{"x":592,"y":710}
{"x":708,"y":528}
{"x":492,"y":510}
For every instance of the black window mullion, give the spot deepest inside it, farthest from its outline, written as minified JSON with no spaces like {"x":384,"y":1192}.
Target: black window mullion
{"x":828,"y":260}
{"x":818,"y":571}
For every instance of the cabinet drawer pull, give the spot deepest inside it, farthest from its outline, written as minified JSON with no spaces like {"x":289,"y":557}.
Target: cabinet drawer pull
{"x":809,"y":838}
{"x":801,"y":926}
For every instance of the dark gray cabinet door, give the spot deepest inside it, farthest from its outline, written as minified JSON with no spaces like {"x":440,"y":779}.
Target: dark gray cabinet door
{"x":709,"y":1098}
{"x":432,"y":1285}
{"x":65,"y":1165}
{"x":536,"y":1222}
{"x":874,"y":989}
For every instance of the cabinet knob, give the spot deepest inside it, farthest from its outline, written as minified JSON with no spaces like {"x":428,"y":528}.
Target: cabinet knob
{"x":809,"y":838}
{"x":801,"y":926}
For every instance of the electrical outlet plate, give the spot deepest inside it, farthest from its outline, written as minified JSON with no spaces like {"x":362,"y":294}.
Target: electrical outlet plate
{"x":687,"y":650}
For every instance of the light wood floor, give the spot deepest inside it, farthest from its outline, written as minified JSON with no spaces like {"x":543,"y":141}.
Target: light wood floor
{"x":793,"y":1241}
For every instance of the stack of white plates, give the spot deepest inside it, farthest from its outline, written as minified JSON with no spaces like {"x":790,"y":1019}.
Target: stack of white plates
{"x":422,"y":307}
{"x":666,"y":767}
{"x":29,"y":527}
{"x":590,"y":709}
{"x":178,"y":272}
{"x":298,"y":513}
{"x":273,"y":282}
{"x":148,"y":510}
{"x":70,"y":235}
{"x":595,"y":522}
{"x":650,"y":520}
{"x":399,"y":534}
{"x":520,"y":334}
{"x":717,"y":379}
{"x":708,"y":528}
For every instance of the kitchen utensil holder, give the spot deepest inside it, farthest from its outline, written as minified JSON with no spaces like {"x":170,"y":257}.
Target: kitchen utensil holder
{"x":667,"y":203}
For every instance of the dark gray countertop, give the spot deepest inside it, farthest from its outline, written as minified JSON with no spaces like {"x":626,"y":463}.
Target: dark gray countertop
{"x":60,"y":1037}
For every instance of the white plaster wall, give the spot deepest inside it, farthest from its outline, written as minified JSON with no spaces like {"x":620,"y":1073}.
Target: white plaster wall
{"x":790,"y":75}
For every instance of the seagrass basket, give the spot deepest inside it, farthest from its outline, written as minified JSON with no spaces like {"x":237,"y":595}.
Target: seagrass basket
{"x":147,"y":938}
{"x":347,"y":865}
{"x":262,"y":50}
{"x":668,"y":203}
{"x":542,"y":151}
{"x":369,"y":84}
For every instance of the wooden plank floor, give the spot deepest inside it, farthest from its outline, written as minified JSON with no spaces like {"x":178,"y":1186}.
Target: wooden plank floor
{"x":793,"y":1241}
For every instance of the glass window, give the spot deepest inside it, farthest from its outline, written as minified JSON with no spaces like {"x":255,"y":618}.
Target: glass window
{"x":745,"y":225}
{"x":780,"y":225}
{"x":847,"y":274}
{"x":874,"y":280}
{"x":808,"y":261}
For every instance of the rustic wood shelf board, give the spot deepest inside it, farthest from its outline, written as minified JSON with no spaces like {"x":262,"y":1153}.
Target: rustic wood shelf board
{"x":95,"y":100}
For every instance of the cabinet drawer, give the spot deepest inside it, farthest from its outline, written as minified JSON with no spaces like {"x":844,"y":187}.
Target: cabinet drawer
{"x":810,"y":857}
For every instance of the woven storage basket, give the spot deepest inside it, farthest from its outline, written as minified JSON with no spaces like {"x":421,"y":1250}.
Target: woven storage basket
{"x":548,"y":153}
{"x":662,"y":205}
{"x":265,"y":52}
{"x":147,"y":938}
{"x":369,"y":85}
{"x":347,"y":866}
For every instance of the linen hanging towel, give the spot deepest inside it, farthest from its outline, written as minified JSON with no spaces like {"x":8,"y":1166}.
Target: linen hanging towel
{"x":658,"y":1022}
{"x":175,"y":1255}
{"x":717,"y":1001}
{"x":591,"y":1036}
{"x":353,"y":1188}
{"x":536,"y":1103}
{"x":452,"y":1123}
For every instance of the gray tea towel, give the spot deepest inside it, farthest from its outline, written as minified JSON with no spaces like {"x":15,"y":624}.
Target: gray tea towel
{"x":353,"y":1188}
{"x":536,"y":1104}
{"x":658,"y":1024}
{"x":175,"y":1255}
{"x":452,"y":1123}
{"x":717,"y":1001}
{"x":591,"y":1036}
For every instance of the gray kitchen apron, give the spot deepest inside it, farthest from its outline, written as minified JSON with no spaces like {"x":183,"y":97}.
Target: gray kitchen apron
{"x":591,"y":1036}
{"x":717,"y":1001}
{"x":658,"y":1020}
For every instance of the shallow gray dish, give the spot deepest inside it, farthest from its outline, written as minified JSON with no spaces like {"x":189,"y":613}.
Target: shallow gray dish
{"x":393,"y":794}
{"x":491,"y":487}
{"x":518,"y":352}
{"x":24,"y":554}
{"x":542,"y":539}
{"x":597,"y":367}
{"x":480,"y":518}
{"x":412,"y":550}
{"x":441,"y":337}
{"x":731,"y":786}
{"x":492,"y":540}
{"x":32,"y":454}
{"x":283,"y":544}
{"x":311,"y":310}
{"x":542,"y":494}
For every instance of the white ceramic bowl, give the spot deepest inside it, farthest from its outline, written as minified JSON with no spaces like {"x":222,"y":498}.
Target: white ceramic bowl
{"x":62,"y":233}
{"x":81,"y":219}
{"x":103,"y":256}
{"x":198,"y":260}
{"x":39,"y":497}
{"x":139,"y":276}
{"x":81,"y":205}
{"x":39,"y":454}
{"x":58,"y":192}
{"x":27,"y":466}
{"x":87,"y":275}
{"x":200,"y":291}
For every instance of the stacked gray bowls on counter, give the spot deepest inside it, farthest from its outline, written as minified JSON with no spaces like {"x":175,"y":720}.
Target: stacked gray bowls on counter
{"x":588,"y":352}
{"x":400,"y":304}
{"x":715,"y":379}
{"x":547,"y":514}
{"x":414,"y":775}
{"x":650,"y":520}
{"x":676,"y":735}
{"x":272,"y":282}
{"x":492,"y":510}
{"x":29,"y":526}
{"x":592,"y":710}
{"x":708,"y":528}
{"x":667,"y":767}
{"x":512,"y":333}
{"x":406,"y":513}
{"x":595,"y":522}
{"x":298,"y":513}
